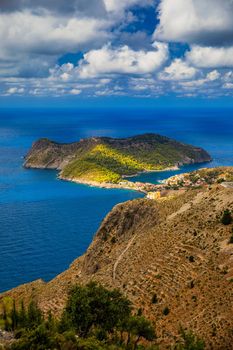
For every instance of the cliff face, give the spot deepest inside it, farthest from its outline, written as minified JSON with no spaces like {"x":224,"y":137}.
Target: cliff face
{"x":172,"y":253}
{"x":105,"y":159}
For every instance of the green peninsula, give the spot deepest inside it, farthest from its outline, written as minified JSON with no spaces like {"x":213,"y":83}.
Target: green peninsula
{"x":103,"y":160}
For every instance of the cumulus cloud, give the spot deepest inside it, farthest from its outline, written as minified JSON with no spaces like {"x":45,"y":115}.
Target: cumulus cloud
{"x":45,"y":30}
{"x":200,"y":22}
{"x":212,"y":76}
{"x":83,"y":7}
{"x":178,"y":70}
{"x":117,"y":5}
{"x":37,"y":38}
{"x":31,"y":33}
{"x":211,"y":57}
{"x":31,"y":43}
{"x":123,"y":60}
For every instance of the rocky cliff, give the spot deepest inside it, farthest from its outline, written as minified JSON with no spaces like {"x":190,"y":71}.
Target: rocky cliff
{"x":172,"y":254}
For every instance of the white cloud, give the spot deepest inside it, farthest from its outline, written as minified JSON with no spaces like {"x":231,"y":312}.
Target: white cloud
{"x":123,"y":60}
{"x":228,"y":76}
{"x":207,"y":22}
{"x":228,"y":86}
{"x":214,"y":75}
{"x":211,"y":57}
{"x":75,"y":92}
{"x":27,"y":32}
{"x":31,"y":43}
{"x":15,"y":91}
{"x":210,"y":77}
{"x":119,"y":5}
{"x":178,"y":70}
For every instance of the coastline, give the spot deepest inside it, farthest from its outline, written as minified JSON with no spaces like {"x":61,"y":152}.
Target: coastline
{"x":143,"y":187}
{"x":175,"y":167}
{"x":124,"y":185}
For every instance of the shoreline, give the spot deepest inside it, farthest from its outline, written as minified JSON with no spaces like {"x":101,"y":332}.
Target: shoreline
{"x":124,"y":184}
{"x":121,"y":186}
{"x":151,"y":171}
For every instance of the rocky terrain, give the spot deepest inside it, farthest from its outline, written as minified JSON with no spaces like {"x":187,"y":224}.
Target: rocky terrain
{"x":103,"y":161}
{"x":172,"y":257}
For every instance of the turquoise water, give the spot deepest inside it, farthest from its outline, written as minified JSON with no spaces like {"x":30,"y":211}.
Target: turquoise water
{"x":46,"y":223}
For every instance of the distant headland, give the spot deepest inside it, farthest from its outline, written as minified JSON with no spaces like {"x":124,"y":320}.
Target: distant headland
{"x":105,"y":162}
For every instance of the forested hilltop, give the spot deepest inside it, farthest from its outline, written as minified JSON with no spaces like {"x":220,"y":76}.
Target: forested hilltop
{"x":106,"y":160}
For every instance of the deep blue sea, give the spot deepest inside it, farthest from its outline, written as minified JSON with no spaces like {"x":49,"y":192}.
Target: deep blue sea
{"x":46,"y":223}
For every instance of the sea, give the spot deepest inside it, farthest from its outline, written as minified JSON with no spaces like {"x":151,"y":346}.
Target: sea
{"x":46,"y":223}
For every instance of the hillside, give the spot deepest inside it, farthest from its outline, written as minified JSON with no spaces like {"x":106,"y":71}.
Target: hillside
{"x":103,"y":160}
{"x":171,"y":257}
{"x":201,"y":177}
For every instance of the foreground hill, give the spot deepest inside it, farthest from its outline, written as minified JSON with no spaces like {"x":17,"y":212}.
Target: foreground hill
{"x":171,"y":257}
{"x":106,"y":160}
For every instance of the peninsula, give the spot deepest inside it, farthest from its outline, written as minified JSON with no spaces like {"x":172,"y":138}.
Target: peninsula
{"x":172,"y":257}
{"x":105,"y":162}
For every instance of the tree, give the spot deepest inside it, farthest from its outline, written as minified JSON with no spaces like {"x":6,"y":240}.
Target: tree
{"x":34,"y":315}
{"x":93,"y":306}
{"x":142,"y":328}
{"x":138,"y":327}
{"x":5,"y":319}
{"x":14,"y":317}
{"x":189,"y":341}
{"x":226,"y":217}
{"x":22,"y":316}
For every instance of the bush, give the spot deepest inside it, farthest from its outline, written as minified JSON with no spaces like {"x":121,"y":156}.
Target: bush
{"x":189,"y":341}
{"x":154,"y":299}
{"x":93,"y":306}
{"x":226,"y":217}
{"x":166,"y":311}
{"x":231,"y":239}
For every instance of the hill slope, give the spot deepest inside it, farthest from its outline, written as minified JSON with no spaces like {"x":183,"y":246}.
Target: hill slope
{"x":106,"y":160}
{"x":173,"y":253}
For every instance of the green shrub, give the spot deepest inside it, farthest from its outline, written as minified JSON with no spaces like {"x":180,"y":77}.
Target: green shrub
{"x":93,"y":306}
{"x":166,"y":311}
{"x":189,"y":341}
{"x":154,"y":299}
{"x":226,"y":217}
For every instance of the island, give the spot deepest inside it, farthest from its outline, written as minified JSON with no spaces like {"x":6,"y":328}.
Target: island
{"x":107,"y":162}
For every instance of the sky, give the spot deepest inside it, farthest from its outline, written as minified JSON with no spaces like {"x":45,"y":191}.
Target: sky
{"x":135,"y":49}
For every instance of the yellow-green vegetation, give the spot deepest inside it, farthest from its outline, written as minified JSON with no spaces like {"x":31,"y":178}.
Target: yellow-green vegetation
{"x":103,"y":164}
{"x":106,"y":164}
{"x":103,"y":154}
{"x":87,"y":171}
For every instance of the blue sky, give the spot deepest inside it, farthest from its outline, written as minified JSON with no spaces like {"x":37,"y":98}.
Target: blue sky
{"x":109,"y":49}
